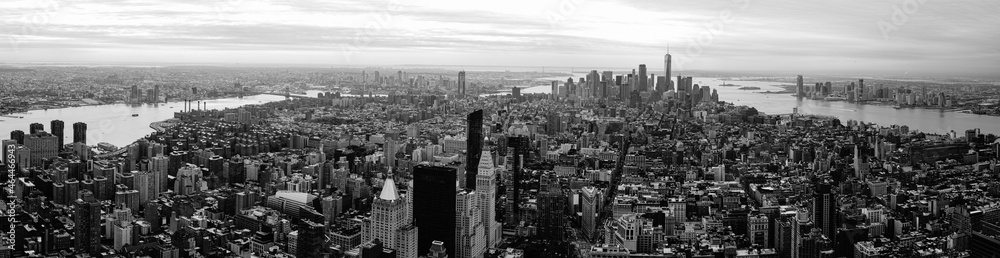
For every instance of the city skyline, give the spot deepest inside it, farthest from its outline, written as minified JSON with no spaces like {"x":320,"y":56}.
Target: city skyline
{"x":888,"y":36}
{"x":506,"y":129}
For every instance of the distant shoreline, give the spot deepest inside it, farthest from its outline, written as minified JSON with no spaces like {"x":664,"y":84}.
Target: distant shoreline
{"x":37,"y":108}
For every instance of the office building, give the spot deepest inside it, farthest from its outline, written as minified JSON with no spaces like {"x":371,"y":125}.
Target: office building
{"x":590,"y":201}
{"x":593,"y":84}
{"x":860,"y":94}
{"x":555,"y":89}
{"x":486,"y":184}
{"x":551,"y":208}
{"x":643,"y":79}
{"x":519,"y":145}
{"x":7,"y":146}
{"x":390,"y":224}
{"x":824,"y":210}
{"x":461,"y":83}
{"x":667,"y":67}
{"x":468,"y":225}
{"x":474,"y":147}
{"x":434,"y":195}
{"x":156,"y":93}
{"x":799,"y":88}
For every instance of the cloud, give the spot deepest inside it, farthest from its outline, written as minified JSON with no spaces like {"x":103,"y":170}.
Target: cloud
{"x":776,"y":35}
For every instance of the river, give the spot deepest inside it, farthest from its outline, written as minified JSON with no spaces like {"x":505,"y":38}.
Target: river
{"x":114,"y":123}
{"x":926,"y":120}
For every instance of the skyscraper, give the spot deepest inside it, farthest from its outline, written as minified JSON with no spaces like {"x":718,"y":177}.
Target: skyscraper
{"x":468,"y":225}
{"x":87,"y":217}
{"x":593,"y":84}
{"x":860,"y":95}
{"x":486,"y":183}
{"x":188,"y":180}
{"x":590,"y":198}
{"x":18,"y":136}
{"x":824,"y":210}
{"x":59,"y":129}
{"x":434,"y":191}
{"x":156,"y":93}
{"x":35,"y":128}
{"x":461,"y":85}
{"x":390,"y":224}
{"x":799,"y":88}
{"x":666,"y":64}
{"x":555,"y":89}
{"x":643,"y":79}
{"x":80,"y":132}
{"x":474,"y":147}
{"x":122,"y":227}
{"x":519,"y":144}
{"x":7,"y":146}
{"x":158,"y":166}
{"x":135,"y":94}
{"x":551,"y":207}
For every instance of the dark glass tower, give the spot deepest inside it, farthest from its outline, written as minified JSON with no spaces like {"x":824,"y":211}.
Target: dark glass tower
{"x":825,"y":209}
{"x":434,"y":194}
{"x":474,"y":147}
{"x":80,"y":132}
{"x":520,"y":146}
{"x":643,"y":79}
{"x":58,"y":129}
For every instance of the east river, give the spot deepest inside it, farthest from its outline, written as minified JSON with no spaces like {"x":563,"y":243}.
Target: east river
{"x":115,"y":124}
{"x":928,"y":120}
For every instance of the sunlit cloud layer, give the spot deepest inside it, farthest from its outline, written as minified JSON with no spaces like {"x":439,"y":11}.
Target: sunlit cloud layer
{"x":778,"y":35}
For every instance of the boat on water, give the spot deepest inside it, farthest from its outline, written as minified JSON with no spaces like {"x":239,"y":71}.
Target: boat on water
{"x":897,"y":107}
{"x":833,"y":98}
{"x":135,"y":115}
{"x":724,"y":84}
{"x":749,"y":88}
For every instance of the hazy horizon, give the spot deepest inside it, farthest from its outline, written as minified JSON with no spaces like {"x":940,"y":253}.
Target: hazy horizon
{"x":953,"y":38}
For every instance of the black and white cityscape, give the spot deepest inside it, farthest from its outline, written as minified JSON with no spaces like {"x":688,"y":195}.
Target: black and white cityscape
{"x":500,"y":129}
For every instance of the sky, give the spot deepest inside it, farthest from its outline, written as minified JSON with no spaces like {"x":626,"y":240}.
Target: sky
{"x":900,"y":36}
